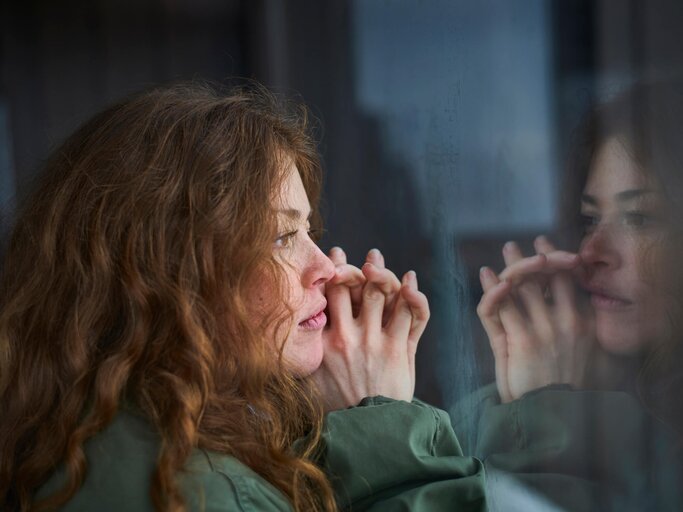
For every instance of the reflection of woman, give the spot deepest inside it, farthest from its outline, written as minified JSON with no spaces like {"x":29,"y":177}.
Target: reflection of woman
{"x":163,"y":307}
{"x":625,"y":350}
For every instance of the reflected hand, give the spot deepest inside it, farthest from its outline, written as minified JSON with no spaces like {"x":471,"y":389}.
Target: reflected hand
{"x":530,"y":314}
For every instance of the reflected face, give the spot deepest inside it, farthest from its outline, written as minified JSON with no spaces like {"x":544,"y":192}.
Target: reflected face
{"x":307,"y":269}
{"x":624,"y":218}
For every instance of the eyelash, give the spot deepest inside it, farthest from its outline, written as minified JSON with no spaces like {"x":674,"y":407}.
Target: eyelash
{"x":587,"y":222}
{"x":285,"y":240}
{"x":638,"y":219}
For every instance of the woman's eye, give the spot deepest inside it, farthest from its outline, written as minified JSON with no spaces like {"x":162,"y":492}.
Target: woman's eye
{"x":587,"y":222}
{"x":285,"y":240}
{"x":636,"y":219}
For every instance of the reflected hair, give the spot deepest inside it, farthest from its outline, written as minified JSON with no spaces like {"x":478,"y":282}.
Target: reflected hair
{"x":125,"y":285}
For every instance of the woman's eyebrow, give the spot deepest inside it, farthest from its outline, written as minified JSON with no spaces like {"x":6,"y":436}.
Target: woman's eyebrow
{"x":622,"y":197}
{"x":294,"y":214}
{"x":635,"y":193}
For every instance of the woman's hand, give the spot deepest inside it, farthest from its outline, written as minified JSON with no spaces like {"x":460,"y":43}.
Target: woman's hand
{"x":530,"y":314}
{"x":375,"y":324}
{"x":354,"y":279}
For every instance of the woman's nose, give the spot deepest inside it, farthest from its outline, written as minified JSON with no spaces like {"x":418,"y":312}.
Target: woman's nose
{"x":319,"y":268}
{"x":601,"y":248}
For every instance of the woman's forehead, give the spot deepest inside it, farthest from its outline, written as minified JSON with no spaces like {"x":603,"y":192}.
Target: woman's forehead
{"x":614,"y":171}
{"x":292,"y":198}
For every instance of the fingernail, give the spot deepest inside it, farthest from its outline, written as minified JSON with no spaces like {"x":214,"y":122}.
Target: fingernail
{"x":485,"y":272}
{"x":508,"y":245}
{"x":412,"y":278}
{"x":336,"y":248}
{"x":374,"y":252}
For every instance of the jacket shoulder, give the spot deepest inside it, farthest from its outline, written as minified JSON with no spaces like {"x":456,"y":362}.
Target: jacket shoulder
{"x":121,"y":462}
{"x":215,"y":482}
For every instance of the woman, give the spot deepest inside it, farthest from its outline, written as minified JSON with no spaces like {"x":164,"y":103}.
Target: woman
{"x":163,"y":317}
{"x":589,"y":388}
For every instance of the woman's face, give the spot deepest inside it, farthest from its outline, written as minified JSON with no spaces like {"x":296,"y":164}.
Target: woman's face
{"x":624,"y":217}
{"x":307,"y":269}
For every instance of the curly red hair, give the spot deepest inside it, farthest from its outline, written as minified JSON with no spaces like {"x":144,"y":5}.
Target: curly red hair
{"x":125,"y":281}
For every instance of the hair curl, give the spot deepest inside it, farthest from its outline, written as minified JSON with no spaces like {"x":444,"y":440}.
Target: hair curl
{"x":125,"y":281}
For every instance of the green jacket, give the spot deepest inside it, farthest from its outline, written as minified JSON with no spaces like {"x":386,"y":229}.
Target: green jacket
{"x":382,"y":455}
{"x":562,"y":449}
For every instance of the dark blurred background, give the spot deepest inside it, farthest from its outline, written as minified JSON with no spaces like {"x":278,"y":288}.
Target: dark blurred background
{"x":445,"y":122}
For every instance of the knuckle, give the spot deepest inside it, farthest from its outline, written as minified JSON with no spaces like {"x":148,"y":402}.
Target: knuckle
{"x":528,"y":288}
{"x":393,"y":279}
{"x":424,"y":302}
{"x":382,"y":277}
{"x":372,"y":293}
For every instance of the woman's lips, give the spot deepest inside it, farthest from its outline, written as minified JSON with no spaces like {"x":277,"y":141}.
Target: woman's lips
{"x":600,"y":299}
{"x":314,"y":322}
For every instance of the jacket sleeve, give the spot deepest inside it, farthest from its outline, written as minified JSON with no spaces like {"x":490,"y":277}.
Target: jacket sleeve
{"x":386,"y":455}
{"x":577,"y":450}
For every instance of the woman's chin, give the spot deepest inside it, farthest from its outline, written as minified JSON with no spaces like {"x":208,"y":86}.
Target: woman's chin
{"x":304,"y":354}
{"x":620,"y":339}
